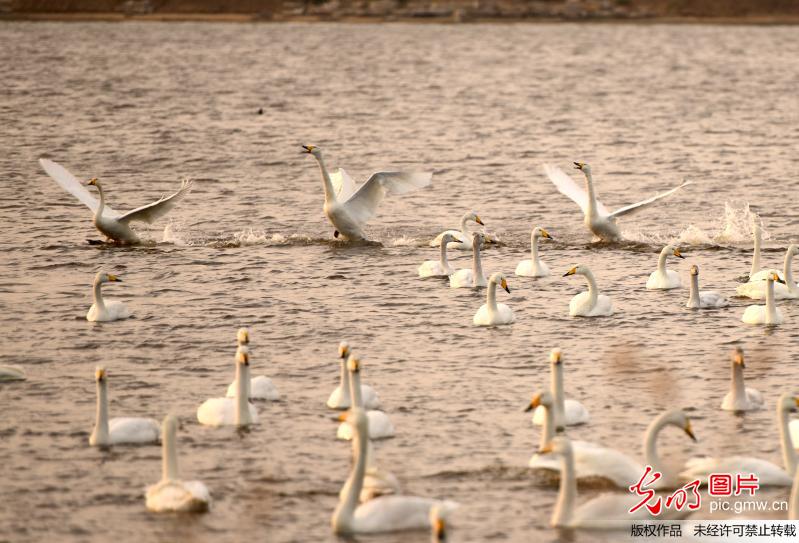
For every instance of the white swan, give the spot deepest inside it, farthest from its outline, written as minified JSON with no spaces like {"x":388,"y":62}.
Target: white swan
{"x":11,"y":373}
{"x":380,"y":426}
{"x":171,"y":495}
{"x":758,"y":237}
{"x":462,"y":238}
{"x":236,"y":411}
{"x":661,"y":278}
{"x":474,"y":277}
{"x":567,"y":412}
{"x":756,"y":288}
{"x":348,"y":208}
{"x":767,"y":473}
{"x":118,"y":430}
{"x":597,"y":217}
{"x":706,"y":299}
{"x":383,"y":514}
{"x":258,"y":388}
{"x":491,"y":313}
{"x":340,"y":397}
{"x":101,"y":310}
{"x":110,"y":223}
{"x":590,"y":303}
{"x":440,"y":267}
{"x":765,"y":314}
{"x":534,"y":267}
{"x":740,"y":398}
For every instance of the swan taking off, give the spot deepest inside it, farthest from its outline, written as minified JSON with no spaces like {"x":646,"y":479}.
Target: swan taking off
{"x":462,"y":238}
{"x":598,"y":219}
{"x":567,"y":412}
{"x":382,"y":514}
{"x":118,"y":430}
{"x":380,"y":426}
{"x":258,"y":388}
{"x":706,"y":299}
{"x":591,"y":303}
{"x":101,"y":310}
{"x":662,"y":278}
{"x":765,"y":314}
{"x":740,"y":398}
{"x":474,"y":277}
{"x":171,"y":495}
{"x":491,"y":313}
{"x":348,"y":209}
{"x":236,"y":411}
{"x":756,"y":287}
{"x":340,"y":397}
{"x":440,"y":267}
{"x":534,"y":267}
{"x":109,"y":222}
{"x":11,"y":373}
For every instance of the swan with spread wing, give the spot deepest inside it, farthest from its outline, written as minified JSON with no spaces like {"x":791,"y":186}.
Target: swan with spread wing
{"x":597,"y":217}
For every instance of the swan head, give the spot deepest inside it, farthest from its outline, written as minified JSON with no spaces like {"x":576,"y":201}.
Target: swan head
{"x":343,"y":350}
{"x":93,"y":181}
{"x":694,"y":269}
{"x":99,"y":374}
{"x":356,"y":418}
{"x":582,"y":166}
{"x":447,"y":238}
{"x":679,"y":419}
{"x":353,"y":364}
{"x":438,"y":521}
{"x":737,"y":357}
{"x":541,"y":233}
{"x":312,"y":150}
{"x":793,"y":249}
{"x":542,"y":397}
{"x":673,"y":250}
{"x":473,"y":216}
{"x":788,"y":402}
{"x":103,"y":277}
{"x":556,"y":357}
{"x":774,"y":277}
{"x":577,"y":270}
{"x":477,"y":239}
{"x":243,"y":336}
{"x":499,"y":279}
{"x":243,"y":356}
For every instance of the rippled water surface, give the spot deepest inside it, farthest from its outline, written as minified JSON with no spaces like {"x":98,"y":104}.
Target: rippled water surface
{"x":142,"y":105}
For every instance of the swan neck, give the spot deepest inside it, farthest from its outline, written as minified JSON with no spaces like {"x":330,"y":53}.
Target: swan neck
{"x":343,"y":517}
{"x":98,"y":295}
{"x":662,"y":261}
{"x":355,"y":389}
{"x":242,"y":398}
{"x":477,"y":265}
{"x":534,"y":248}
{"x":589,"y":185}
{"x":443,"y":258}
{"x":787,"y":272}
{"x":491,"y":297}
{"x":737,"y":387}
{"x":548,"y":429}
{"x":558,"y":394}
{"x":788,"y":452}
{"x":330,"y":194}
{"x":771,"y":308}
{"x":170,"y":453}
{"x":464,"y":229}
{"x":756,"y":254}
{"x":567,"y":493}
{"x":344,"y":381}
{"x":650,"y":443}
{"x":593,"y":291}
{"x":99,"y":212}
{"x":793,"y":502}
{"x":101,"y":434}
{"x":694,"y":297}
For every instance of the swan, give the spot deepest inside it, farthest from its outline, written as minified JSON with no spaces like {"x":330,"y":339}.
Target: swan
{"x":258,"y":388}
{"x":534,"y":267}
{"x":567,"y":412}
{"x":662,"y":278}
{"x":740,"y":398}
{"x":706,"y":299}
{"x":491,"y":313}
{"x":382,"y":514}
{"x":109,"y":222}
{"x":340,"y":397}
{"x":237,"y":411}
{"x":439,"y":519}
{"x":474,"y":277}
{"x":171,"y":495}
{"x":118,"y":430}
{"x":765,"y":314}
{"x":766,"y":472}
{"x":462,"y":238}
{"x":102,"y":311}
{"x":376,"y":481}
{"x":598,"y":219}
{"x":591,"y":303}
{"x":348,"y":209}
{"x":380,"y":426}
{"x":440,"y":267}
{"x":756,"y":288}
{"x":11,"y":373}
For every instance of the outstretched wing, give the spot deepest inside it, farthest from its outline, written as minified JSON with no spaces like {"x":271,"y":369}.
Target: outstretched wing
{"x":566,"y":186}
{"x":626,"y":210}
{"x":69,"y":183}
{"x":343,"y":184}
{"x":363,"y":204}
{"x":151,"y":212}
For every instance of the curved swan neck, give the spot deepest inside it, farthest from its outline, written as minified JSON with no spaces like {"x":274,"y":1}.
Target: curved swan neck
{"x":593,"y":291}
{"x":534,"y":247}
{"x":491,"y":297}
{"x":355,"y":389}
{"x":756,"y":253}
{"x":464,"y":229}
{"x":788,"y":452}
{"x":345,"y":511}
{"x":650,"y":442}
{"x":567,"y":493}
{"x":693,"y":300}
{"x":589,"y":185}
{"x":99,"y":212}
{"x":662,"y":260}
{"x":737,"y":388}
{"x":242,"y":400}
{"x":101,"y":434}
{"x":330,"y":193}
{"x":443,"y":261}
{"x":477,"y":265}
{"x":170,"y":453}
{"x":98,"y":295}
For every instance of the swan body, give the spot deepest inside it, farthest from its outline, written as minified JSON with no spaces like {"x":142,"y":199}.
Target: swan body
{"x":662,"y":278}
{"x":172,"y":495}
{"x":491,"y":313}
{"x":440,"y":267}
{"x":597,"y":218}
{"x":236,"y":411}
{"x":461,"y":239}
{"x":590,"y":303}
{"x":566,"y":412}
{"x":534,"y":267}
{"x":347,"y":208}
{"x":341,"y":396}
{"x":11,"y":373}
{"x":740,"y":398}
{"x":474,"y":277}
{"x":756,"y":287}
{"x":706,"y":299}
{"x":260,"y":387}
{"x":121,"y":430}
{"x":380,"y":426}
{"x":765,"y":314}
{"x":102,"y":310}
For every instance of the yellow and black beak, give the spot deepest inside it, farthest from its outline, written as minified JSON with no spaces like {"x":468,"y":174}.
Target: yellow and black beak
{"x":570,"y":272}
{"x":478,"y":221}
{"x":535,"y":402}
{"x":440,"y":529}
{"x":114,"y":278}
{"x":579,"y":165}
{"x":342,"y":416}
{"x":504,"y":284}
{"x":92,"y":181}
{"x":777,"y":278}
{"x":546,"y":449}
{"x":688,"y":430}
{"x":99,"y":374}
{"x":796,"y":401}
{"x":677,"y":253}
{"x":308,"y":148}
{"x":545,"y":234}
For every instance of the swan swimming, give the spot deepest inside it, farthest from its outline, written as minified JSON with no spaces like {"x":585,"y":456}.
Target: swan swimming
{"x":109,"y":222}
{"x":765,"y":314}
{"x":119,"y":430}
{"x":340,"y":397}
{"x":380,"y":426}
{"x":756,"y":288}
{"x":590,"y":303}
{"x":105,"y":311}
{"x":382,"y":514}
{"x":171,"y":495}
{"x":440,"y":267}
{"x":11,"y":373}
{"x":706,"y":299}
{"x":462,"y":238}
{"x":258,"y":388}
{"x":348,"y":209}
{"x":491,"y":313}
{"x":662,"y":278}
{"x":237,"y":411}
{"x":598,"y":219}
{"x":740,"y":398}
{"x":534,"y":267}
{"x":474,"y":277}
{"x":567,"y":412}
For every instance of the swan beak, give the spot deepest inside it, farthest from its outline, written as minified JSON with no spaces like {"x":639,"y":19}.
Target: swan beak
{"x":505,"y":286}
{"x":570,"y":272}
{"x":547,"y":449}
{"x":689,"y":431}
{"x":114,"y":278}
{"x":579,"y":165}
{"x":677,"y":253}
{"x":307,"y":149}
{"x":545,"y":234}
{"x":99,"y":374}
{"x":796,"y":400}
{"x":777,"y":279}
{"x":536,"y":401}
{"x":92,"y":181}
{"x":342,"y":417}
{"x":478,"y":221}
{"x":440,"y":529}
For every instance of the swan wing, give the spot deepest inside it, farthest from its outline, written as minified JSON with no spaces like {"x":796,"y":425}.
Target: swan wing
{"x":343,"y":184}
{"x":394,"y":513}
{"x":363,"y":204}
{"x":152,"y":212}
{"x":566,"y":186}
{"x":767,"y":473}
{"x":70,"y":183}
{"x":133,"y":430}
{"x":626,"y":210}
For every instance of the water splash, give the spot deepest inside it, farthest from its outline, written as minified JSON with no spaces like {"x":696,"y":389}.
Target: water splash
{"x":174,"y":234}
